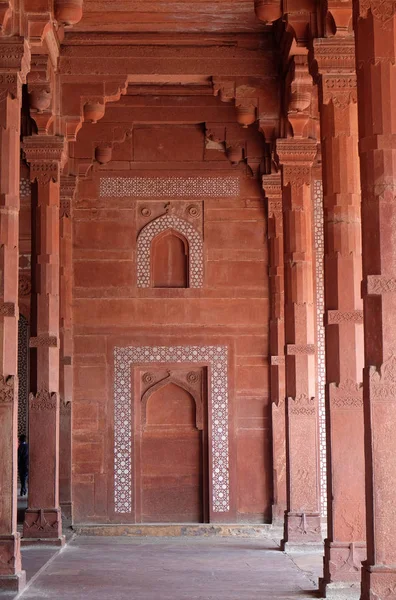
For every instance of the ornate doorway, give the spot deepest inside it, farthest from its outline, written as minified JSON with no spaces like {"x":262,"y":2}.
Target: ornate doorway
{"x":170,"y":442}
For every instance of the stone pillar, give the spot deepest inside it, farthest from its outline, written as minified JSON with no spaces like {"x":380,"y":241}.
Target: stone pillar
{"x":302,"y":522}
{"x":43,"y":516}
{"x":345,"y":544}
{"x":67,"y":192}
{"x":273,"y":191}
{"x":14,"y":61}
{"x":375,"y":30}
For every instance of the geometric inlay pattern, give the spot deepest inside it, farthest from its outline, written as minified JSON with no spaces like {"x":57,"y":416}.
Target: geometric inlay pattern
{"x":23,"y":374}
{"x":195,"y":247}
{"x":216,"y":357}
{"x":24,"y":187}
{"x":320,"y":335}
{"x":169,"y":187}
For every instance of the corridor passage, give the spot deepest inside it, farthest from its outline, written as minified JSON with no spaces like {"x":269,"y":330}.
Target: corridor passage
{"x":118,"y":568}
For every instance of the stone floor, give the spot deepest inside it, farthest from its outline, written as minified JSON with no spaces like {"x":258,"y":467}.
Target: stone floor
{"x":118,"y":568}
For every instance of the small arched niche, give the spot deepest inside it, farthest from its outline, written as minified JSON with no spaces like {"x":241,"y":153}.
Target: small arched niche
{"x":171,"y":406}
{"x":169,"y":260}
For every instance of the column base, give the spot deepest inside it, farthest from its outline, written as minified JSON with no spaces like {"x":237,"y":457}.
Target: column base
{"x":339,"y":590}
{"x":378,"y":582}
{"x":12,"y":578}
{"x":13,"y":583}
{"x":342,"y":563}
{"x":67,"y":513}
{"x":302,"y":529}
{"x":42,"y":523}
{"x":58,"y":542}
{"x":278,"y":515}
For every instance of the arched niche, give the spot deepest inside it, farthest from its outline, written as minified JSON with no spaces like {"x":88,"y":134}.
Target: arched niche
{"x":183,"y":405}
{"x":185,"y":231}
{"x":169,"y":260}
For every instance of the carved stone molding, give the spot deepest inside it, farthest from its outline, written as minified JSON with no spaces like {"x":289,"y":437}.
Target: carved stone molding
{"x":302,"y":405}
{"x":42,"y":341}
{"x":345,"y":560}
{"x":341,"y":90}
{"x":335,"y":55}
{"x":346,"y":395}
{"x":272,"y":185}
{"x":43,"y":400}
{"x":294,"y":349}
{"x":7,"y":309}
{"x":294,"y":151}
{"x":382,"y":10}
{"x":8,"y":389}
{"x":335,"y":317}
{"x":296,"y":176}
{"x":303,"y":527}
{"x":379,"y":284}
{"x":278,"y":361}
{"x":383,"y":381}
{"x":24,"y":285}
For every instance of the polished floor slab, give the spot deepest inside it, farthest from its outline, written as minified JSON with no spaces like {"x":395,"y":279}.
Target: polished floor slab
{"x":121,"y":568}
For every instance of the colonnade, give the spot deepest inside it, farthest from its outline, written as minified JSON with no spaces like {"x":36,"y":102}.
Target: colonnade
{"x":348,"y":83}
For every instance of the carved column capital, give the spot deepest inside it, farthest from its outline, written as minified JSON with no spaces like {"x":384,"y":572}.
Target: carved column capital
{"x":335,"y":58}
{"x":46,"y":155}
{"x":14,"y":65}
{"x":272,"y":186}
{"x":381,"y":10}
{"x":296,"y":157}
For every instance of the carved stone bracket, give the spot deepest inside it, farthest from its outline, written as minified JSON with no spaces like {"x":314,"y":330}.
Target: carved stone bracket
{"x":296,"y":156}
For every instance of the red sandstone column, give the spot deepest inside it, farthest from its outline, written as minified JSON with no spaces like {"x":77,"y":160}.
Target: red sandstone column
{"x":375,"y":30}
{"x":67,"y":191}
{"x":302,"y":523}
{"x":345,"y":544}
{"x":14,"y":60}
{"x":273,"y":191}
{"x":43,"y":516}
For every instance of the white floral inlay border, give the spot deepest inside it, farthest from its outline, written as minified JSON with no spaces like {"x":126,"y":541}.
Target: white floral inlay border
{"x":195,"y":247}
{"x":169,"y":187}
{"x":320,"y":307}
{"x":217,"y":359}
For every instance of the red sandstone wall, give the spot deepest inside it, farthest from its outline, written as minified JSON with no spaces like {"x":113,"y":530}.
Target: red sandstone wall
{"x":230,"y":309}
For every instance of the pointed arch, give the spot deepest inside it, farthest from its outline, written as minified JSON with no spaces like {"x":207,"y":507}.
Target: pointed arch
{"x":185,"y":229}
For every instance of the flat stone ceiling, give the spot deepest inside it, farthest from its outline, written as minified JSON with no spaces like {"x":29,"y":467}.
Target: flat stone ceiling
{"x":169,"y":16}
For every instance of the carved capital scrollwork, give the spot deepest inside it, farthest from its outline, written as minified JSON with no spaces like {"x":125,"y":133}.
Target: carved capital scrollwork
{"x":46,"y":156}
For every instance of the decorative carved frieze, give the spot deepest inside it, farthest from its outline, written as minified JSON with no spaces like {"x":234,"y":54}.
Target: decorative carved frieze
{"x":346,"y":395}
{"x":383,"y":381}
{"x":294,"y":349}
{"x":169,"y":187}
{"x":43,"y":400}
{"x":42,"y":341}
{"x":379,"y":284}
{"x":302,"y":405}
{"x":335,"y":55}
{"x":8,"y":389}
{"x":7,"y":309}
{"x":382,"y":10}
{"x":335,"y":317}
